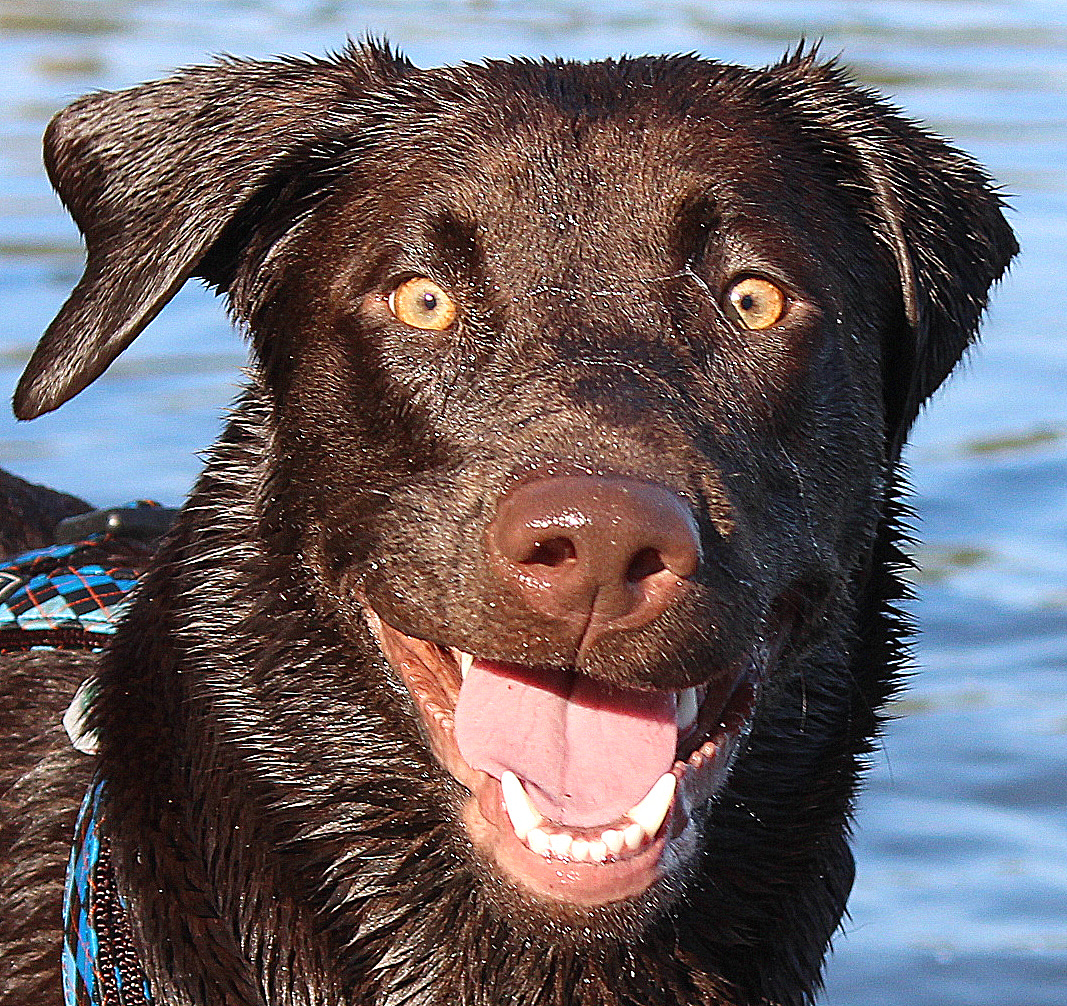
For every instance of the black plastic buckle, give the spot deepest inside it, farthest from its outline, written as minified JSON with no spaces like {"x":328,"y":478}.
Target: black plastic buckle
{"x":145,"y":521}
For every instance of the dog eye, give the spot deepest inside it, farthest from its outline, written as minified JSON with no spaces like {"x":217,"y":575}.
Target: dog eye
{"x":421,"y":303}
{"x":757,"y":303}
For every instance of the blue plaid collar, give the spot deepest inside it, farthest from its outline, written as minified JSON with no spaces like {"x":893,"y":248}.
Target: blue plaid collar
{"x":100,"y":966}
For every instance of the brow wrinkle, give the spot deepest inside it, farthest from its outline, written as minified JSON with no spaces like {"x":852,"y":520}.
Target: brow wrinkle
{"x":620,"y":291}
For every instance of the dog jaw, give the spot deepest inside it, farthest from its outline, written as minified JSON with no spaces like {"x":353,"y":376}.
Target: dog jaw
{"x":581,"y":865}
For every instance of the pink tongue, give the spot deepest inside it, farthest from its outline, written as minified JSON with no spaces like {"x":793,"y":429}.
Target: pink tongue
{"x":586,"y":751}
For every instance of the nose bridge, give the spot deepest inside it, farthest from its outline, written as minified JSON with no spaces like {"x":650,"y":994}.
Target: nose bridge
{"x":621,"y":330}
{"x":606,"y":408}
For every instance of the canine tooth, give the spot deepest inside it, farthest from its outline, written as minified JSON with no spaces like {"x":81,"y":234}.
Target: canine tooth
{"x":580,"y":850}
{"x":688,"y":707}
{"x":651,"y":811}
{"x":538,"y":842}
{"x":598,"y":851}
{"x":633,"y":836}
{"x":613,"y":840}
{"x":465,"y":661}
{"x":561,"y":844}
{"x":517,"y":803}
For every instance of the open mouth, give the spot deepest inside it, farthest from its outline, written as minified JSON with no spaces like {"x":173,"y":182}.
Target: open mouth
{"x":578,"y":788}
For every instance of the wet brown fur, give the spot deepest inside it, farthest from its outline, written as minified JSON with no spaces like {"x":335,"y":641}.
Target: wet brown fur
{"x":278,"y":824}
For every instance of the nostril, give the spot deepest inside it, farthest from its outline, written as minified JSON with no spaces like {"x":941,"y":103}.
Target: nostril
{"x":645,"y":563}
{"x":553,"y":552}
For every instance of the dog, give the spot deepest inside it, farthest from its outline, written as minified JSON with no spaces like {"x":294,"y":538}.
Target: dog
{"x":527,"y":633}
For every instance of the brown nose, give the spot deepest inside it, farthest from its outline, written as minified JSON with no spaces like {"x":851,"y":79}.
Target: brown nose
{"x":597,"y":552}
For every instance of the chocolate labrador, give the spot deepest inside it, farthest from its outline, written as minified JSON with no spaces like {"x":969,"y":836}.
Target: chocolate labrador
{"x":526,"y":636}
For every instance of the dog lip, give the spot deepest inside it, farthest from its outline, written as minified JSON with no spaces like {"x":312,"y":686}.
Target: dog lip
{"x":433,"y":675}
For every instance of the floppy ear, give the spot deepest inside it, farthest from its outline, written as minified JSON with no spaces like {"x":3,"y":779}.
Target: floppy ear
{"x":940,"y":216}
{"x":153,"y":175}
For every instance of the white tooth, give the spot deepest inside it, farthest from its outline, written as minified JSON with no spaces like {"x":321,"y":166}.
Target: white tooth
{"x":598,"y":852}
{"x":465,"y":661}
{"x":633,"y":836}
{"x":561,"y":844}
{"x":613,"y":840}
{"x":580,"y":850}
{"x":688,"y":708}
{"x":651,"y":811}
{"x":522,"y":813}
{"x":537,"y":840}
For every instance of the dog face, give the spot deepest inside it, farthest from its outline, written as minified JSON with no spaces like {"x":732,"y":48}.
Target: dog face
{"x":619,"y":425}
{"x":586,"y":387}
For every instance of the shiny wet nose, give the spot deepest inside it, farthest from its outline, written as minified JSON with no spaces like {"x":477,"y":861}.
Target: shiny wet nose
{"x":603,"y":551}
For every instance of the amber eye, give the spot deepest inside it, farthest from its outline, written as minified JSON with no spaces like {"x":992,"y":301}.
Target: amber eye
{"x":757,"y":302}
{"x":421,"y":303}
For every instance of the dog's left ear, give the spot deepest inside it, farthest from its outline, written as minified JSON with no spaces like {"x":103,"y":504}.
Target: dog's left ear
{"x":154,"y":175}
{"x":937,"y":211}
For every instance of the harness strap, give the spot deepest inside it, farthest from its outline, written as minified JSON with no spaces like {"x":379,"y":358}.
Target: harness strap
{"x":100,"y":965}
{"x":71,"y":596}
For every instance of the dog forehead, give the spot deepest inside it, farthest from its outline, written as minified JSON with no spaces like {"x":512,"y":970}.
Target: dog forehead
{"x":653,"y":127}
{"x":588,"y":162}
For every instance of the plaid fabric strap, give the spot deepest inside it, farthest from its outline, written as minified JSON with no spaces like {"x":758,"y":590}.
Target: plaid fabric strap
{"x":100,"y":966}
{"x":66,"y":595}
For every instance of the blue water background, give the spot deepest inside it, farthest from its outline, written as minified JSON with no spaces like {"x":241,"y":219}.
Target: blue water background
{"x":961,"y":896}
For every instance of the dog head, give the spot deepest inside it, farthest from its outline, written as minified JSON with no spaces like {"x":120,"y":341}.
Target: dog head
{"x":586,"y":387}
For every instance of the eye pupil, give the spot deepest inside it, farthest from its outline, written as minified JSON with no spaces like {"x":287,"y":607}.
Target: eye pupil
{"x":429,"y":302}
{"x":748,"y":302}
